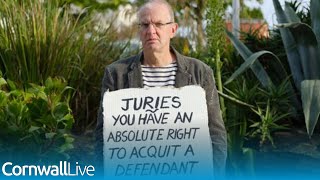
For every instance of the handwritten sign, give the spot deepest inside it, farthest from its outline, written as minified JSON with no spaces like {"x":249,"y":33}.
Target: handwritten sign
{"x":156,"y":132}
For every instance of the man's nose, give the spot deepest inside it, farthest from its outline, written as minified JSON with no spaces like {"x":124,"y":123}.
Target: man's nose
{"x":151,"y":28}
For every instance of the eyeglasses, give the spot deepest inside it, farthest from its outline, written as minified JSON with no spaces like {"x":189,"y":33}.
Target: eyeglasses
{"x":155,"y":25}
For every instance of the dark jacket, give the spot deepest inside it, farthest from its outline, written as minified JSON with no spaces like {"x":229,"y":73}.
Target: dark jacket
{"x":127,"y":73}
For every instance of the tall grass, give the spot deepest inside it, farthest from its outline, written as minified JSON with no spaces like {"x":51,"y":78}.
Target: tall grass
{"x":38,"y":40}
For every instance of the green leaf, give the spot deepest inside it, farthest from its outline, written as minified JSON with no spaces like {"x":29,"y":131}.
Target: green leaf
{"x":38,"y":91}
{"x":26,"y":137}
{"x":257,"y":68}
{"x":3,"y":98}
{"x":54,"y":85}
{"x":256,"y":124}
{"x":69,"y":120}
{"x":15,"y":110}
{"x":13,"y":128}
{"x":310,"y":96}
{"x":48,"y":82}
{"x":248,"y":63}
{"x":11,"y":85}
{"x":2,"y":82}
{"x":281,"y":16}
{"x":38,"y":107}
{"x":60,"y":110}
{"x":65,"y":147}
{"x":232,"y":99}
{"x":16,"y":93}
{"x":291,"y":14}
{"x":50,"y":135}
{"x":33,"y":128}
{"x":69,"y":139}
{"x":307,"y":44}
{"x":315,"y":17}
{"x":290,"y":46}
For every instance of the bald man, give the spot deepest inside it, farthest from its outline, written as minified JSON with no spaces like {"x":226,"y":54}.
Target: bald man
{"x":156,"y":28}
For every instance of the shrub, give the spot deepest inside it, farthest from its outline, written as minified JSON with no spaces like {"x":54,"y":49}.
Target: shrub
{"x":35,"y":122}
{"x":43,"y":39}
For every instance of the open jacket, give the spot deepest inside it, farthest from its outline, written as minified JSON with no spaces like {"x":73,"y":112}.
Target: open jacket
{"x":126,"y":73}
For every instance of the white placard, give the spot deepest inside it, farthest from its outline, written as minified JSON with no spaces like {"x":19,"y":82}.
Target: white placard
{"x":156,"y":132}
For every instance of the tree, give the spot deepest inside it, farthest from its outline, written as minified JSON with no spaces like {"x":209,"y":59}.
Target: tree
{"x":91,"y":5}
{"x":191,"y":12}
{"x":245,"y":11}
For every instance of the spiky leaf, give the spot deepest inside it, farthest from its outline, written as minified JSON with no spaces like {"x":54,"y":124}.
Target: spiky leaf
{"x":310,"y":96}
{"x":315,"y":17}
{"x":256,"y":67}
{"x":307,"y":45}
{"x":290,"y":46}
{"x":248,"y":63}
{"x":291,"y":14}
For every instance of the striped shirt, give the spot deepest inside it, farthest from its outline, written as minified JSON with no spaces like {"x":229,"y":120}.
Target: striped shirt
{"x":159,"y":76}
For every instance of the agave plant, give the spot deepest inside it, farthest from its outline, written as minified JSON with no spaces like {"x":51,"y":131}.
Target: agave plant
{"x":267,"y":123}
{"x":301,"y":44}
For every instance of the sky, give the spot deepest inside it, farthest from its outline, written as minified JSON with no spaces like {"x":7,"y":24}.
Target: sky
{"x":268,"y":10}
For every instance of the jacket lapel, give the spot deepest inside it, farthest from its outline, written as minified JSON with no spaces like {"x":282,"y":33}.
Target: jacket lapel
{"x":183,"y":77}
{"x":134,"y":73}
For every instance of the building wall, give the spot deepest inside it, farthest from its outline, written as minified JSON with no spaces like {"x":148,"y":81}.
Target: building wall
{"x":247,"y":25}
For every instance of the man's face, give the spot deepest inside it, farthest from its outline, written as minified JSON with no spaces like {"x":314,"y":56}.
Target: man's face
{"x":156,"y":28}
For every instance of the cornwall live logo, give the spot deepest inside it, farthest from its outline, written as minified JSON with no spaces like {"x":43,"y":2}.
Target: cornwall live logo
{"x":64,"y":168}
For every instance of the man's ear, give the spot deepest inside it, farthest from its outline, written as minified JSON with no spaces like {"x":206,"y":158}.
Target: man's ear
{"x":174,"y":29}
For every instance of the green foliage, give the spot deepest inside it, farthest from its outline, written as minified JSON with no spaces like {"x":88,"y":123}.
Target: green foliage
{"x":273,"y":107}
{"x":239,"y":156}
{"x":310,"y":96}
{"x":216,"y":41}
{"x":249,"y":62}
{"x":272,"y":43}
{"x":248,"y":13}
{"x":91,"y":5}
{"x":255,"y":66}
{"x":268,"y":123}
{"x":41,"y":40}
{"x":305,"y":64}
{"x":302,"y":47}
{"x":35,"y":121}
{"x":278,"y":98}
{"x":303,"y":12}
{"x":215,"y":26}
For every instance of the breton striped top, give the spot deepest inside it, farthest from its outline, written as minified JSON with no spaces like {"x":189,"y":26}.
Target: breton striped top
{"x":159,"y":76}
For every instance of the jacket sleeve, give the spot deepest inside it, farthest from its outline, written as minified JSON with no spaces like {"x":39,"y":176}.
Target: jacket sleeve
{"x":216,"y":125}
{"x":107,"y":85}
